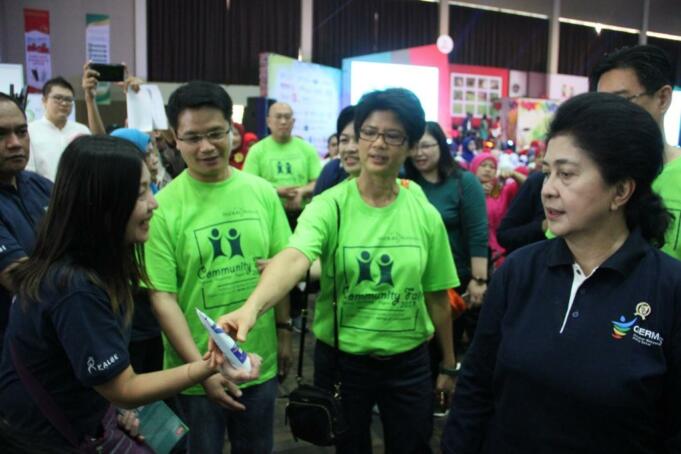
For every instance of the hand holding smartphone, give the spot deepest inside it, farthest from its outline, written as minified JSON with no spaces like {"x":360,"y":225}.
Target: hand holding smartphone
{"x":109,"y":73}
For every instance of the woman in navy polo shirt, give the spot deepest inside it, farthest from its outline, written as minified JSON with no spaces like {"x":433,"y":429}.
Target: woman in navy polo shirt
{"x":69,"y":326}
{"x":578,"y":349}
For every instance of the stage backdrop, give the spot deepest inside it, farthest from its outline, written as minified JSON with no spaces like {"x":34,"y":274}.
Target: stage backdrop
{"x":423,"y":70}
{"x":313,"y":91}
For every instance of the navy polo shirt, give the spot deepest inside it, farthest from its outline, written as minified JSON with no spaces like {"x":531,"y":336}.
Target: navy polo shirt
{"x":609,"y":382}
{"x":70,"y":341}
{"x":21,"y":209}
{"x":332,"y":174}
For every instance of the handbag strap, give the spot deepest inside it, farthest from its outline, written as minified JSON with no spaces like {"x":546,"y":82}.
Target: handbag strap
{"x":48,"y":407}
{"x":334,"y":304}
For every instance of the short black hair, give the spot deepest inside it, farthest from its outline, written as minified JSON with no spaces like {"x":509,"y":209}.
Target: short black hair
{"x":58,"y":81}
{"x":446,"y":165}
{"x":651,"y":65}
{"x":402,"y":102}
{"x":627,"y":144}
{"x":7,"y":98}
{"x":197,"y":94}
{"x":345,"y":117}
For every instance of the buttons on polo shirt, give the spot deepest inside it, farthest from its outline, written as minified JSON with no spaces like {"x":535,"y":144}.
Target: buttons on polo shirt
{"x":575,"y":314}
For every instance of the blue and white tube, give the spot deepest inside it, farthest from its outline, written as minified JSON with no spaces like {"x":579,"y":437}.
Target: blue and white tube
{"x":235,"y":355}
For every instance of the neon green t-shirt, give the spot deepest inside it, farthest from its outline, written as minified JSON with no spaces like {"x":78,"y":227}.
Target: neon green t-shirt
{"x":294,"y":163}
{"x":386,"y":259}
{"x":668,"y":186}
{"x":204,"y":239}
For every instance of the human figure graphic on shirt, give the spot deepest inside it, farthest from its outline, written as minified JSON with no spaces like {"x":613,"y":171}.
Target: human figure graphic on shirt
{"x":216,"y":241}
{"x":364,"y":261}
{"x":234,"y":238}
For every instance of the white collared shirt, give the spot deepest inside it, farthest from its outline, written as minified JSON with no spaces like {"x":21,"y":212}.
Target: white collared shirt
{"x":48,"y":143}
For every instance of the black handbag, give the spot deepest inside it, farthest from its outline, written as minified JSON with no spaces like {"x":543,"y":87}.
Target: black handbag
{"x":315,"y":414}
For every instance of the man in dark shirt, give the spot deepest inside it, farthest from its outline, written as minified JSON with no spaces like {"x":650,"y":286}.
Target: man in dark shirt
{"x":24,"y":197}
{"x":524,"y":222}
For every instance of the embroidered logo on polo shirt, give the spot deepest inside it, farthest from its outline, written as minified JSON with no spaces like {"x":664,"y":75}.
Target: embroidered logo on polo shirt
{"x":641,"y":335}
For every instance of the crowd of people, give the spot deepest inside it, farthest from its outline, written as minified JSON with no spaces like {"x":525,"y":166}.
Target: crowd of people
{"x":536,"y":288}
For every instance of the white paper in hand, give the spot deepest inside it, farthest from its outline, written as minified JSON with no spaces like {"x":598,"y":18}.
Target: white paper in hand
{"x":139,"y":110}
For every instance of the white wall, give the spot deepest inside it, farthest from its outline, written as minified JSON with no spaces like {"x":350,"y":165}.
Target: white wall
{"x":67,"y":32}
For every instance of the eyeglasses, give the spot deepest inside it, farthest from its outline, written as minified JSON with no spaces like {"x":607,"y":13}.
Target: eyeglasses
{"x":426,"y":146}
{"x":389,"y":137}
{"x":62,"y":99}
{"x":632,"y":97}
{"x":212,"y":137}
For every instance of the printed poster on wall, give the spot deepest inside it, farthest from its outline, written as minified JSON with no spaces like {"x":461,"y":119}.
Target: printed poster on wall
{"x":97,"y":48}
{"x":37,"y":42}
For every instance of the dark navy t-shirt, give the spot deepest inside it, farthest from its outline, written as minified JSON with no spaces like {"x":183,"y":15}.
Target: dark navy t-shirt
{"x":70,"y":341}
{"x":332,"y":174}
{"x":21,"y":210}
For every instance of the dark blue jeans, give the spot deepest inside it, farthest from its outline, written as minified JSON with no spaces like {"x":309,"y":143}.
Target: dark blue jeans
{"x":250,"y":431}
{"x":401,"y":387}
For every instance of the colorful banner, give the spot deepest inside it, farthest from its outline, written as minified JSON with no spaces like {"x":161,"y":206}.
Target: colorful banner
{"x":97,"y":48}
{"x":37,"y":42}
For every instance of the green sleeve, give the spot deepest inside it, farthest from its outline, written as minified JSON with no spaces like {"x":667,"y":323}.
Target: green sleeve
{"x":440,"y":272}
{"x":474,"y":219}
{"x":314,"y":164}
{"x":159,"y":255}
{"x":252,"y":162}
{"x":280,"y":231}
{"x":314,"y":227}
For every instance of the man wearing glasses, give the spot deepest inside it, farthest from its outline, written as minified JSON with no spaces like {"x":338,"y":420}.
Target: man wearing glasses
{"x":212,"y":227}
{"x":51,"y":134}
{"x":644,"y":75}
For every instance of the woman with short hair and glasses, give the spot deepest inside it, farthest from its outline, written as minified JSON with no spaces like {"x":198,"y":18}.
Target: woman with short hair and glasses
{"x":384,"y":253}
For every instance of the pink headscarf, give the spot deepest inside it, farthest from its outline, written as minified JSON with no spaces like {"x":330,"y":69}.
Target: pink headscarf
{"x":479,"y":159}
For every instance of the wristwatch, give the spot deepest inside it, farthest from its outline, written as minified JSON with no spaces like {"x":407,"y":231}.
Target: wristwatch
{"x":451,"y":371}
{"x":287,"y":325}
{"x":479,"y":280}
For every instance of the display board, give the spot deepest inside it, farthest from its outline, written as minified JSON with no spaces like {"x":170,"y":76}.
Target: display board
{"x":366,"y":76}
{"x":424,"y":70}
{"x":313,"y":92}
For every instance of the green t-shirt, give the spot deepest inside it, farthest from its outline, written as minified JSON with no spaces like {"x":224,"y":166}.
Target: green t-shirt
{"x":203,"y":242}
{"x":386,"y":259}
{"x":668,"y":186}
{"x":294,"y":163}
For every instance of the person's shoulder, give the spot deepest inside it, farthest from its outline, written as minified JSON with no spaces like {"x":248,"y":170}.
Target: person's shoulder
{"x":254,"y":182}
{"x":336,"y":193}
{"x":173,"y":189}
{"x":35,"y":179}
{"x":78,"y":127}
{"x":530,"y":252}
{"x":38,"y":125}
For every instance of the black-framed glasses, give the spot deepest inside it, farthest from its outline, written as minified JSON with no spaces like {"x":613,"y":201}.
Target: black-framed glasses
{"x":62,"y":99}
{"x":212,"y":137}
{"x":632,"y":97}
{"x":395,"y":138}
